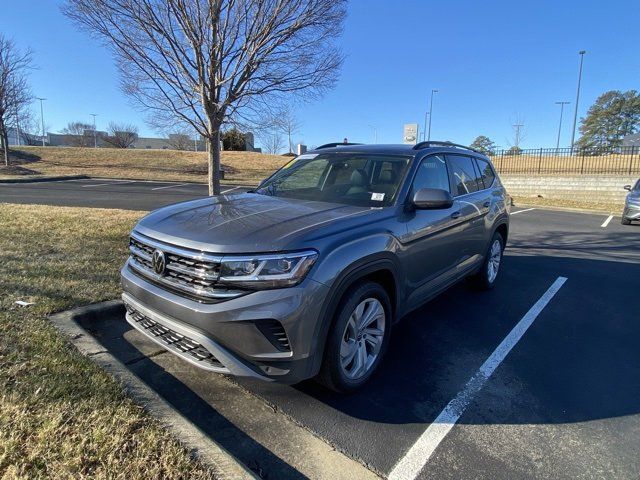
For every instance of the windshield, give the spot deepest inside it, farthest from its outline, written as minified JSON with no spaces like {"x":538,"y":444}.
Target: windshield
{"x":349,"y":178}
{"x":636,"y":188}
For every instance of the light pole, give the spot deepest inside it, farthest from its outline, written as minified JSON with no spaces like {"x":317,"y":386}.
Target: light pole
{"x":42,"y":117}
{"x":562,"y":104}
{"x":95,"y":134}
{"x":431,"y":114}
{"x":575,"y":112}
{"x":424,"y":132}
{"x":375,"y":133}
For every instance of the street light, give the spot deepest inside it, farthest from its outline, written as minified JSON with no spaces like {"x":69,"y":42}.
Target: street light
{"x":95,"y":134}
{"x":562,"y":104}
{"x":42,"y":117}
{"x":431,"y":113}
{"x":424,"y":132}
{"x":375,"y":133}
{"x":575,"y":112}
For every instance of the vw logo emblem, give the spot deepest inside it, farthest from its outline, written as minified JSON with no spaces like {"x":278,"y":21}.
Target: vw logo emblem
{"x":158,"y":261}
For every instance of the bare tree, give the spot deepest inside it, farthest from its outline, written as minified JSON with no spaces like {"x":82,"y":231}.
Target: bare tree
{"x":205,"y":62}
{"x":121,"y":135}
{"x":15,"y":94}
{"x":287,"y":122}
{"x":272,"y":142}
{"x":180,"y":140}
{"x":76,"y":132}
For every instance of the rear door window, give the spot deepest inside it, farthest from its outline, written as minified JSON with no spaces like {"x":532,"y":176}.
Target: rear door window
{"x":463,"y":175}
{"x":487,"y":174}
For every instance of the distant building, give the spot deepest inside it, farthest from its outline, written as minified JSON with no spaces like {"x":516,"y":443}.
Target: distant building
{"x":631,"y":140}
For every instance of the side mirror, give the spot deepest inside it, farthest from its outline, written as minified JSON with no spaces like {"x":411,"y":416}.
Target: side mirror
{"x":627,"y":187}
{"x":432,"y":198}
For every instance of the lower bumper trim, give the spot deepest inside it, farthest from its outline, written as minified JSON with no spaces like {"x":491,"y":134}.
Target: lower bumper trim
{"x":183,"y":341}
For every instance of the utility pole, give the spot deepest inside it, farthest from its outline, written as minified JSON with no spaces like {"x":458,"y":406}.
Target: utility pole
{"x":42,"y":117}
{"x":518,"y":126}
{"x":95,"y":134}
{"x":562,"y":104}
{"x":575,"y":112}
{"x":431,"y":114}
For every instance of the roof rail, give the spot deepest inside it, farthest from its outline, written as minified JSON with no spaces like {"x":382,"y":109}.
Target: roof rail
{"x":336,"y":144}
{"x":429,"y":143}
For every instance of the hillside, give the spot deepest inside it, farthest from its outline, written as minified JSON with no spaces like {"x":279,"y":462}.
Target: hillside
{"x":240,"y":167}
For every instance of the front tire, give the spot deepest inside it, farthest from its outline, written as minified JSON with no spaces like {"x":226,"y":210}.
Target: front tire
{"x":486,"y":278}
{"x":625,"y":221}
{"x":358,"y":338}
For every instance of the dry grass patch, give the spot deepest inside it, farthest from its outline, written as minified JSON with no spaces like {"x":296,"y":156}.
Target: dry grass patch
{"x":614,"y":208}
{"x":61,"y":416}
{"x":240,"y":167}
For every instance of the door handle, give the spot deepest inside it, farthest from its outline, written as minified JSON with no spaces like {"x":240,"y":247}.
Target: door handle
{"x":487,"y":204}
{"x":455,"y":215}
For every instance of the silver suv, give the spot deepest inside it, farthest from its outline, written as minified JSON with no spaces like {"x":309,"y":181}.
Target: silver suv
{"x":305,"y":275}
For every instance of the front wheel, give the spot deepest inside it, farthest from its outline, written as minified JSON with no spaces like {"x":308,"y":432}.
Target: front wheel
{"x":486,"y":278}
{"x":358,"y":338}
{"x":626,"y":221}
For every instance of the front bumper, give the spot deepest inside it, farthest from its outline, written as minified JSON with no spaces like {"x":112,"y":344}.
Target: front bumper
{"x":631,"y":211}
{"x":227,"y":337}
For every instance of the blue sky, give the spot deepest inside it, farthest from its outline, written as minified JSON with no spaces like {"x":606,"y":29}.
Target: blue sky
{"x":493,"y":62}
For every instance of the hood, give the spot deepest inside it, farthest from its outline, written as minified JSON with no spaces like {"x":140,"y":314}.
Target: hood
{"x":245,"y":223}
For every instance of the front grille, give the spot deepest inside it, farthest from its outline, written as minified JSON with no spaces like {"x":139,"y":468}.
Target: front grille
{"x":173,"y":340}
{"x":188,"y":272}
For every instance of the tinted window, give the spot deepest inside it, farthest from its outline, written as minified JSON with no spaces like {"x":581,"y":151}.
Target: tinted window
{"x":486,"y":172}
{"x":463,"y":175}
{"x":637,"y":187}
{"x":432,"y":173}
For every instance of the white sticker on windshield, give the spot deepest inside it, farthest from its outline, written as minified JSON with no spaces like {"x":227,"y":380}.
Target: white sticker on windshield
{"x":377,"y":196}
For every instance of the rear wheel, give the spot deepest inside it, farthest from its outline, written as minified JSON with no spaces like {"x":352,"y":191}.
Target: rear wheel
{"x":486,"y":278}
{"x":358,"y":338}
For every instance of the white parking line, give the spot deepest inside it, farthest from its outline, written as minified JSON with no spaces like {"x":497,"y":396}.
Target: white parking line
{"x":170,"y":186}
{"x":418,"y":455}
{"x":115,"y":182}
{"x":525,"y":210}
{"x":606,"y":222}
{"x":230,"y":190}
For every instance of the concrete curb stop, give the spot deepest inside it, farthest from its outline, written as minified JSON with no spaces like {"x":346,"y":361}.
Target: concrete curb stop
{"x":207,"y":450}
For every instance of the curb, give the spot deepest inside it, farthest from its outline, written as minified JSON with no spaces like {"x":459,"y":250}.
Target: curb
{"x":189,"y":435}
{"x":44,"y":179}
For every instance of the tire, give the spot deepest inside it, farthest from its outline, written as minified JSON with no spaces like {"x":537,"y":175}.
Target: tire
{"x":486,"y":278}
{"x":343,"y":350}
{"x":625,"y":221}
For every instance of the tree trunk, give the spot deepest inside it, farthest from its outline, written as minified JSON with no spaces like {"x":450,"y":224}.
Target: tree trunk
{"x":4,"y":138}
{"x":214,"y":161}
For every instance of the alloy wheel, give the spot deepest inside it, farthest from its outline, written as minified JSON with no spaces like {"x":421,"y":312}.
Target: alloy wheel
{"x":362,"y":338}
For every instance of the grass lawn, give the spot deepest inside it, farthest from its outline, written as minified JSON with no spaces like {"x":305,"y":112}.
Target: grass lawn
{"x":240,"y":167}
{"x":61,"y":416}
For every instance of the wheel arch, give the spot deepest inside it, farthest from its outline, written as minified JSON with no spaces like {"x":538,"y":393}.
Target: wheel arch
{"x":384,"y":271}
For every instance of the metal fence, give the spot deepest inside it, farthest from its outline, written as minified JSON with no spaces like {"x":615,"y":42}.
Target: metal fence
{"x":624,"y":160}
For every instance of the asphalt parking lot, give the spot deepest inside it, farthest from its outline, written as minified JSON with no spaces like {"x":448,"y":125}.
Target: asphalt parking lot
{"x":450,"y":401}
{"x":106,"y":193}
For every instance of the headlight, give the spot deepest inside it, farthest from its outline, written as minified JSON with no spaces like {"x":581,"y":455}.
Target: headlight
{"x":266,"y":271}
